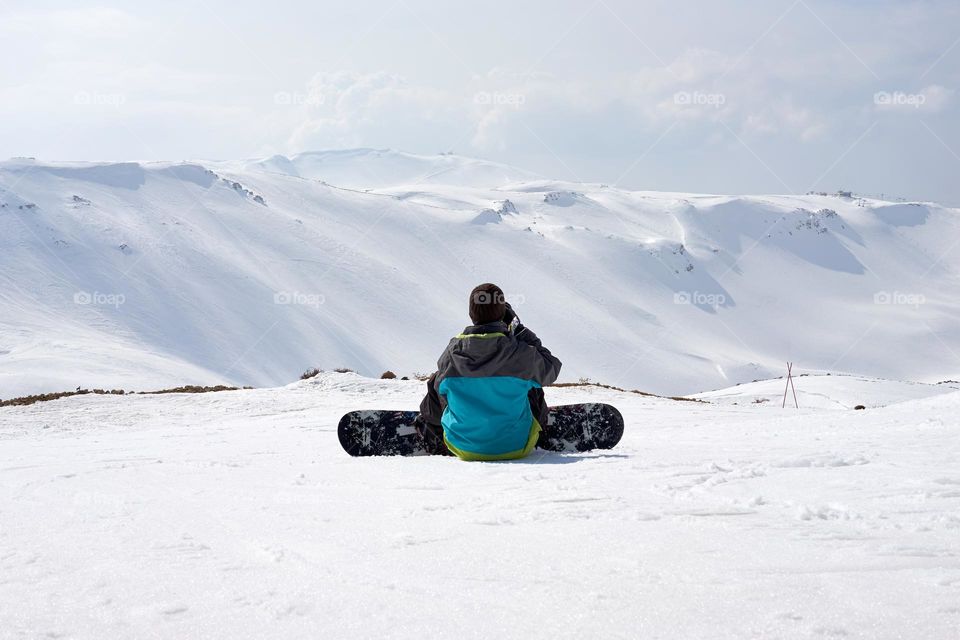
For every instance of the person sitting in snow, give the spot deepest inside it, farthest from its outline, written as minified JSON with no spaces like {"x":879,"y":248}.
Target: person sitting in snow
{"x":485,"y":402}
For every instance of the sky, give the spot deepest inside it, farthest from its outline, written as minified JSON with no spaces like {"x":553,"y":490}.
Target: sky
{"x":776,"y":96}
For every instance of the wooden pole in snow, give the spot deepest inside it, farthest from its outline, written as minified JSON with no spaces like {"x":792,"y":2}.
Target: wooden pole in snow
{"x":789,"y":385}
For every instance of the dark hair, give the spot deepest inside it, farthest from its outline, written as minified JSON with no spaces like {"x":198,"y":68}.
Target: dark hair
{"x":487,"y":304}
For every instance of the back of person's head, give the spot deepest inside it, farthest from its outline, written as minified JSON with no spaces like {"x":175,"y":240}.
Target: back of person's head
{"x":487,"y":304}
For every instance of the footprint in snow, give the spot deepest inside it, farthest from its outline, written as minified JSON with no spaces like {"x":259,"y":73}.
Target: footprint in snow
{"x":790,"y":615}
{"x":174,"y":610}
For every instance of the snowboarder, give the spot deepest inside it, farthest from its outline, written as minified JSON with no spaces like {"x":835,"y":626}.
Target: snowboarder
{"x":485,"y":402}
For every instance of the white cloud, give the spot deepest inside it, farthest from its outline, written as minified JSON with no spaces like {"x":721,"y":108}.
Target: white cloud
{"x":701,"y":89}
{"x":783,"y":116}
{"x":790,"y":89}
{"x":345,"y":108}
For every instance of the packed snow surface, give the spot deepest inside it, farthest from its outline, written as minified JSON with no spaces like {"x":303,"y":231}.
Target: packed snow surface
{"x":140,"y":275}
{"x":236,"y":514}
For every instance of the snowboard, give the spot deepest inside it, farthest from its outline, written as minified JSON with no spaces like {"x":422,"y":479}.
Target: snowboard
{"x":571,"y":427}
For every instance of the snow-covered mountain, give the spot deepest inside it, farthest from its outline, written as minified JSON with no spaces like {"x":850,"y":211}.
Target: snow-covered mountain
{"x":374,"y":168}
{"x":147,"y":274}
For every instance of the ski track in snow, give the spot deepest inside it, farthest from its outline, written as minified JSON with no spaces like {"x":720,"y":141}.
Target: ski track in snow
{"x":236,"y":514}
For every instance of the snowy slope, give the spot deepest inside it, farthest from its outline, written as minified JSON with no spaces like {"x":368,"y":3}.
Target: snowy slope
{"x":236,"y":514}
{"x":139,"y":275}
{"x":827,"y":392}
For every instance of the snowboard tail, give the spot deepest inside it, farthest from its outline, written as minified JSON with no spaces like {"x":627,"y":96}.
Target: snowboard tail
{"x":582,"y":427}
{"x":381,"y":433}
{"x":571,"y":427}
